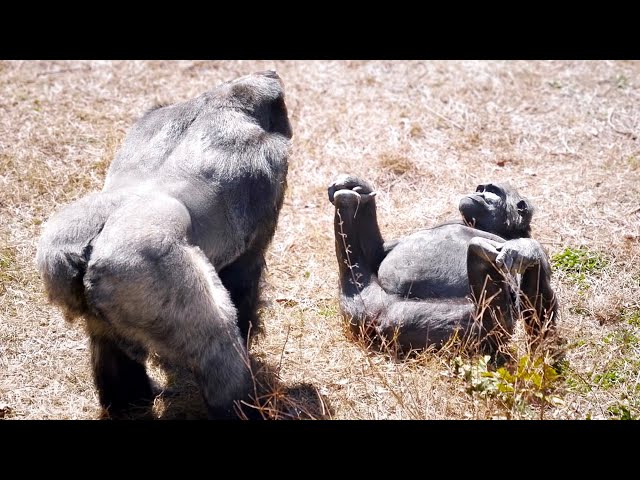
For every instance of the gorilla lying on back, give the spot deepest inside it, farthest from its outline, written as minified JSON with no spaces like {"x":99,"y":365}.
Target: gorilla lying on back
{"x":457,"y":277}
{"x":168,"y":256}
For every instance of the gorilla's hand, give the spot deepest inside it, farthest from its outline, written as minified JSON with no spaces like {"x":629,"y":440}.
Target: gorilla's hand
{"x":518,"y":255}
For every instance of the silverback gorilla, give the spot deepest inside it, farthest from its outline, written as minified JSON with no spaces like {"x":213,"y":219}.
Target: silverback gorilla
{"x":459,"y":277}
{"x":168,"y":256}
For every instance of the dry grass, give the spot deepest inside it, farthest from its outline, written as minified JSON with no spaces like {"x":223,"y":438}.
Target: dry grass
{"x":564,"y":133}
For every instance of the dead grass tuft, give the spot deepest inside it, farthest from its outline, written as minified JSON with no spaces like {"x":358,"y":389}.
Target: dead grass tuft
{"x":396,"y":164}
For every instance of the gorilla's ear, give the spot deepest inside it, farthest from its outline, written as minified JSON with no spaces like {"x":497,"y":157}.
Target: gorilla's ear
{"x":525,"y":209}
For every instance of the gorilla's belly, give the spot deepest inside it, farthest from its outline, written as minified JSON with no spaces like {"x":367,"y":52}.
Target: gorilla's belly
{"x":428,"y":264}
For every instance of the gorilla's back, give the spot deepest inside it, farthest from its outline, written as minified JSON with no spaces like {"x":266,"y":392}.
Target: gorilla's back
{"x":223,"y":156}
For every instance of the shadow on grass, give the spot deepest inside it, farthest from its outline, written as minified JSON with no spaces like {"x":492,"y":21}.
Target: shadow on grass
{"x":272,"y":400}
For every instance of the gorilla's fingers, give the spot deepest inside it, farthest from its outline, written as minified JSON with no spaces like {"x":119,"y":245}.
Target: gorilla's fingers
{"x":504,"y":260}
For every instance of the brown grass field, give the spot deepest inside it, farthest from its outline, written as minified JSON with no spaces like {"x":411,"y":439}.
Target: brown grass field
{"x":565,"y":133}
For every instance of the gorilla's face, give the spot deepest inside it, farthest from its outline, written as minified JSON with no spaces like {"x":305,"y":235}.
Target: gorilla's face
{"x":498,"y":209}
{"x":486,"y":208}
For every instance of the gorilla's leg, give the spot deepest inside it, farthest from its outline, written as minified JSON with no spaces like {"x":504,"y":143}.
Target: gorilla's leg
{"x":359,"y":246}
{"x":491,"y":293}
{"x":121,"y":378}
{"x":177,"y":306}
{"x":65,"y":246}
{"x":412,"y":323}
{"x":538,"y":306}
{"x":150,"y":286}
{"x":242,"y":280}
